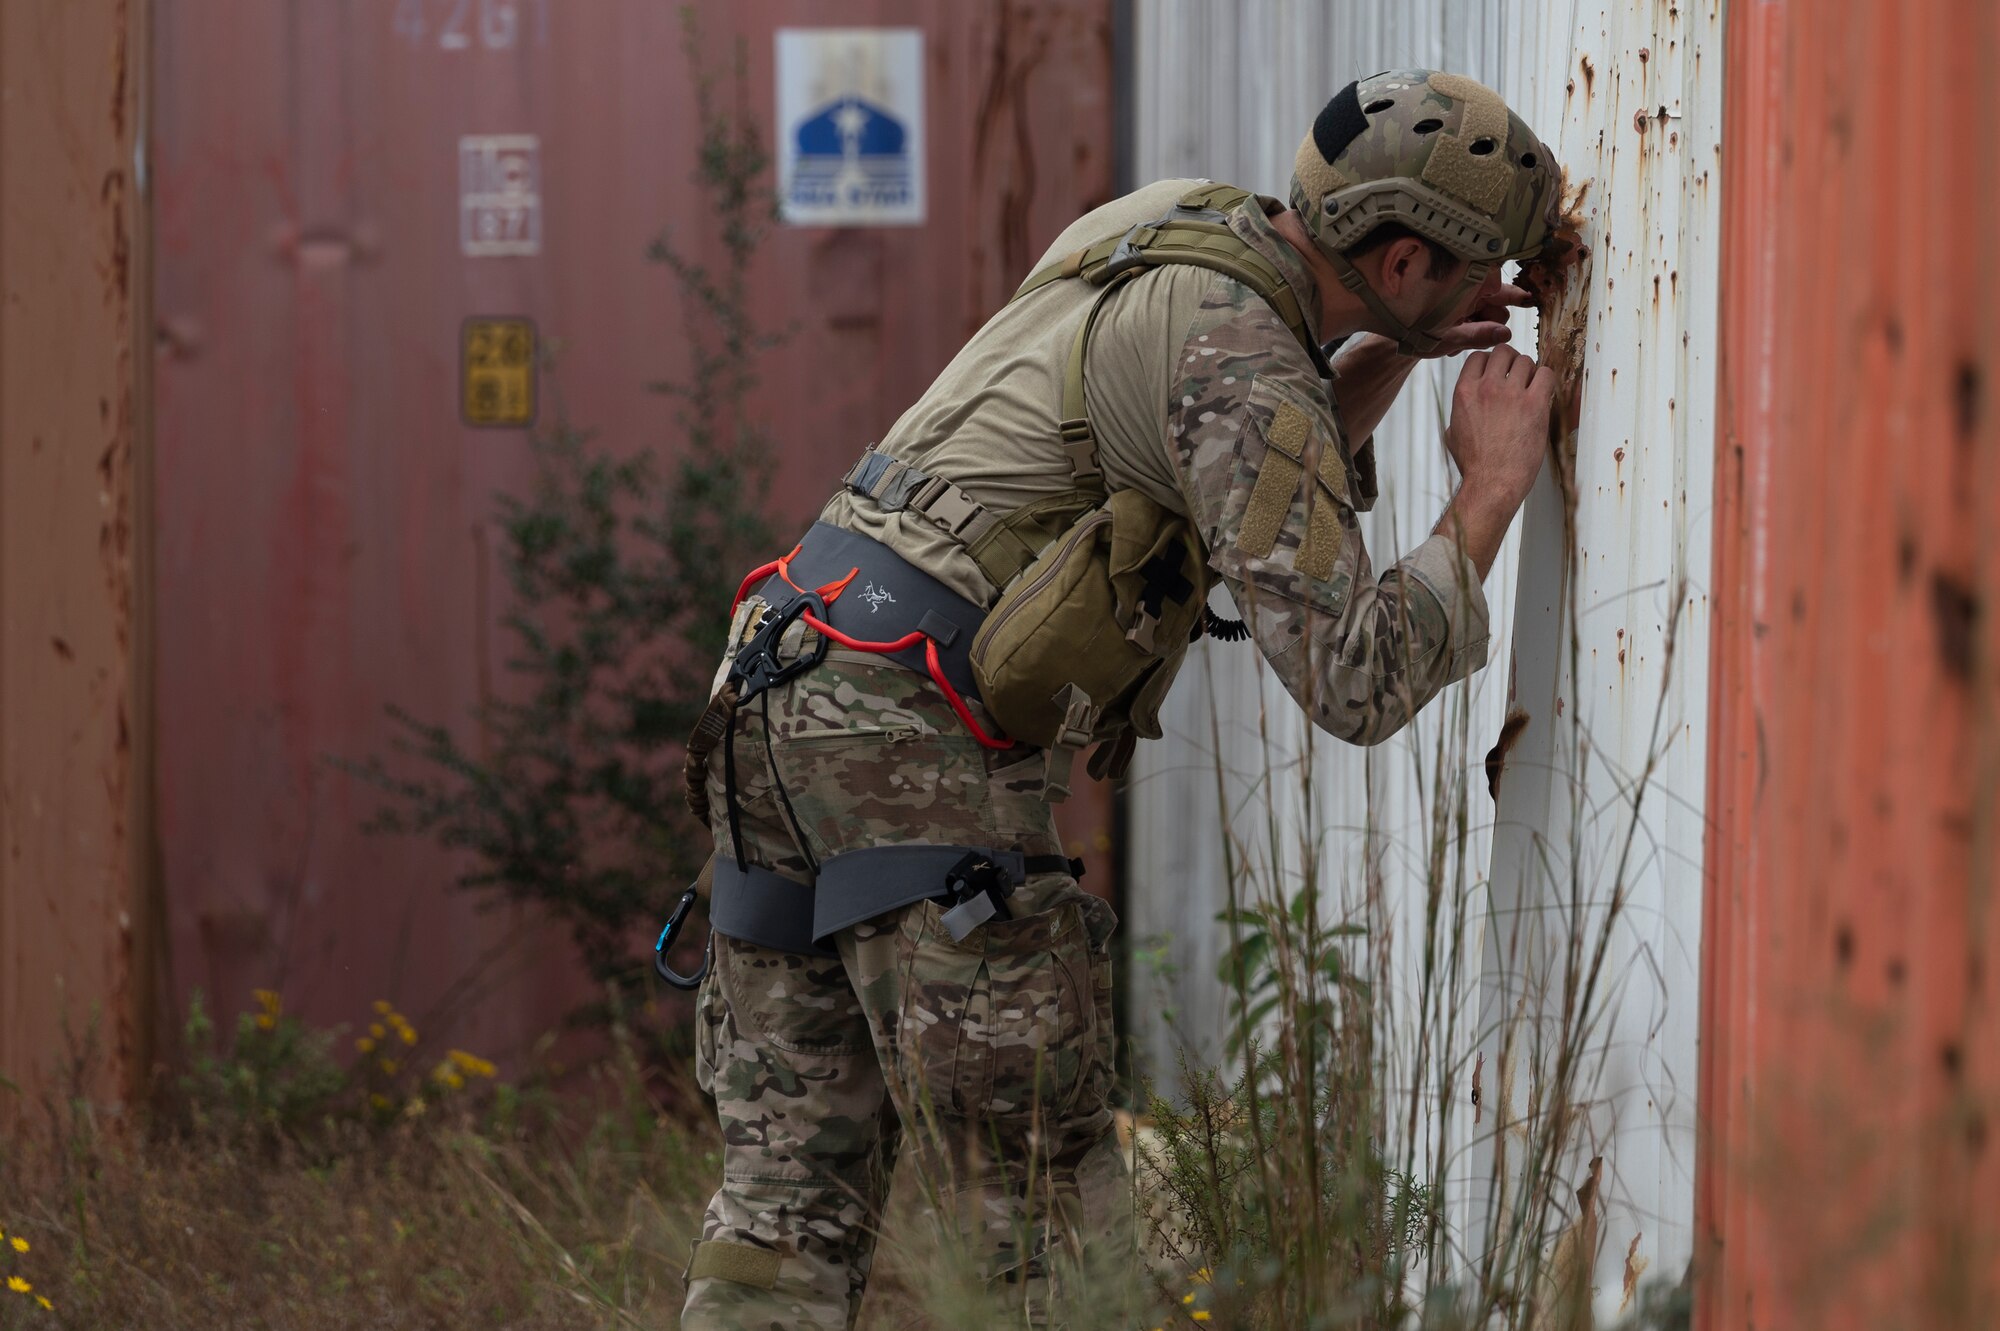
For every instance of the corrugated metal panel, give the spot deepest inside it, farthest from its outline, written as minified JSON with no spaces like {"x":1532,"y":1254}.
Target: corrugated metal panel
{"x":1628,"y":92}
{"x":1601,"y":813}
{"x":1852,"y":1061}
{"x":75,"y":720}
{"x":323,"y":547}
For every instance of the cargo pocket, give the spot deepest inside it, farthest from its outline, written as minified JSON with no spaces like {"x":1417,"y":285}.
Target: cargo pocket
{"x":800,"y":1004}
{"x":999,"y":1025}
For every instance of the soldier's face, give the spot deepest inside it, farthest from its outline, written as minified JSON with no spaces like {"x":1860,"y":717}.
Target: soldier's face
{"x":1485,"y":296}
{"x":1424,"y":292}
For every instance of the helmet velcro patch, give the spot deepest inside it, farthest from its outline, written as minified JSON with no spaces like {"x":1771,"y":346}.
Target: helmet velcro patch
{"x":1340,"y":123}
{"x":1481,"y":179}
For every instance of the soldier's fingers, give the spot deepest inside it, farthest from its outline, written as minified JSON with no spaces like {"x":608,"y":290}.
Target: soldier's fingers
{"x":1509,"y":294}
{"x":1543,"y":382}
{"x":1474,"y":336}
{"x":1475,"y":366}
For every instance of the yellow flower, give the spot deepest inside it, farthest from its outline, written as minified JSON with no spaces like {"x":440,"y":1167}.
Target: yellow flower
{"x":389,"y":1065}
{"x":453,"y":1080}
{"x":471,"y":1064}
{"x":268,"y":1000}
{"x":20,"y":1244}
{"x":382,"y":1007}
{"x":46,"y":1305}
{"x":415,"y":1109}
{"x":365,"y":1045}
{"x":409,"y":1036}
{"x":18,"y":1285}
{"x":1204,"y":1275}
{"x":376,"y":1032}
{"x":266,"y":1022}
{"x":1199,"y":1316}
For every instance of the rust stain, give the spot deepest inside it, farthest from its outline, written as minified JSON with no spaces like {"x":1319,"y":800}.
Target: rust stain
{"x":117,"y":268}
{"x":1005,"y":102}
{"x":1966,"y":399}
{"x":1635,"y":1266}
{"x":120,"y":63}
{"x":1956,"y":610}
{"x":1511,"y":731}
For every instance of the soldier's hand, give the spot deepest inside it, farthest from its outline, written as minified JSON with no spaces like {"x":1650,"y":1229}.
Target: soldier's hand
{"x":1500,"y":424}
{"x":1485,"y":325}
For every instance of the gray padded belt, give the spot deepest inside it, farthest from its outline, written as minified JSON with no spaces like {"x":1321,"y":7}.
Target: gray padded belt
{"x":887,"y":599}
{"x":761,"y":907}
{"x":862,"y":884}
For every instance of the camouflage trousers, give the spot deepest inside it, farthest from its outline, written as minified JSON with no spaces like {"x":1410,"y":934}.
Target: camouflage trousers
{"x":985,"y":1064}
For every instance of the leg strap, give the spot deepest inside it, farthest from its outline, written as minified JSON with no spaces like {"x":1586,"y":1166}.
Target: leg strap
{"x":739,"y":1263}
{"x":863,"y":884}
{"x":765,"y":908}
{"x":760,"y":907}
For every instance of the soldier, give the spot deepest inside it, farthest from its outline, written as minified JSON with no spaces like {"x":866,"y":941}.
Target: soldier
{"x":901,"y":956}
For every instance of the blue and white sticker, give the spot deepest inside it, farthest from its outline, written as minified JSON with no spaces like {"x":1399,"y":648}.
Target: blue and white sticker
{"x":851,"y":126}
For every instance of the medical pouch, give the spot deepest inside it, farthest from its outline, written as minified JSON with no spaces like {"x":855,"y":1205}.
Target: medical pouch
{"x":1110,"y":608}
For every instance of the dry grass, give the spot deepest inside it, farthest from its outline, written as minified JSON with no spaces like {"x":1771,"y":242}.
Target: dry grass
{"x":491,"y":1209}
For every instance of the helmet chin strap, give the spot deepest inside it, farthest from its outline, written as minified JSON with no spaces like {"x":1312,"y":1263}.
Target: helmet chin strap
{"x":1422,"y":338}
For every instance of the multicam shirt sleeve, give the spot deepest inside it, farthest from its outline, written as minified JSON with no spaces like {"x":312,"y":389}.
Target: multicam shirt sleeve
{"x":1265,"y":477}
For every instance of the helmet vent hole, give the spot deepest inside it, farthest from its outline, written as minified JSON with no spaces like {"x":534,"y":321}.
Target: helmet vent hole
{"x":1377,"y":107}
{"x":1428,"y":126}
{"x":1483,"y":147}
{"x":1529,"y":160}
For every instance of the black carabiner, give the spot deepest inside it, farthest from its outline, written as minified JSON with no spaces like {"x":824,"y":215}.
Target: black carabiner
{"x":757,"y":666}
{"x":667,"y":936}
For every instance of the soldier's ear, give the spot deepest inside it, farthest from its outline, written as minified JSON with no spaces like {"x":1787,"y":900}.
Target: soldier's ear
{"x":1404,"y":260}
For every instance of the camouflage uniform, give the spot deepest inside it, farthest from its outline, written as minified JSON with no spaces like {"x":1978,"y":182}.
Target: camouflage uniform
{"x":996,"y":1052}
{"x":993,"y":1057}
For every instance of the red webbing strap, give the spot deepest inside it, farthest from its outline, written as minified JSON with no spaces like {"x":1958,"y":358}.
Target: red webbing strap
{"x":757,"y":575}
{"x":908,"y":640}
{"x":831,"y":591}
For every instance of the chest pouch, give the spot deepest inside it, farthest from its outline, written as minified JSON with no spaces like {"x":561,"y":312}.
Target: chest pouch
{"x":1109,"y":610}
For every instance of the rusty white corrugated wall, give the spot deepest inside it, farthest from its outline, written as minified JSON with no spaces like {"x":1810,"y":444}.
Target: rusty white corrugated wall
{"x":1629,"y":94}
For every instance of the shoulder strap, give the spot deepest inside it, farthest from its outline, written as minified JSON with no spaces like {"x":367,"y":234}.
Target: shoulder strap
{"x":1194,"y":231}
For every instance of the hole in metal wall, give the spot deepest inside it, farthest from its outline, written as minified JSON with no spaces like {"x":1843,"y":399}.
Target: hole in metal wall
{"x":1428,"y":126}
{"x":1484,"y":147}
{"x":1378,"y":106}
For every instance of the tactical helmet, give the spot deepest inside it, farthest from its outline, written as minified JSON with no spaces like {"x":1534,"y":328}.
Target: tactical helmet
{"x":1438,"y":153}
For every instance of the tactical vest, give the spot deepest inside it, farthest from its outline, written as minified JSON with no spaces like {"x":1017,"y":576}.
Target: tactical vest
{"x":1099,"y":594}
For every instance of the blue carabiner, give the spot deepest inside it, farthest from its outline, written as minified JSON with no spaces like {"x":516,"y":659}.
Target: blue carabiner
{"x":667,"y":936}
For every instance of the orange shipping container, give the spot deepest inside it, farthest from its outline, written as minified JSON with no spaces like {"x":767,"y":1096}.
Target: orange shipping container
{"x":1851,"y":1060}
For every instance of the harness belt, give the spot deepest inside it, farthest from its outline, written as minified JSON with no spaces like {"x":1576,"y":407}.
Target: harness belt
{"x":765,"y":908}
{"x":887,"y":597}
